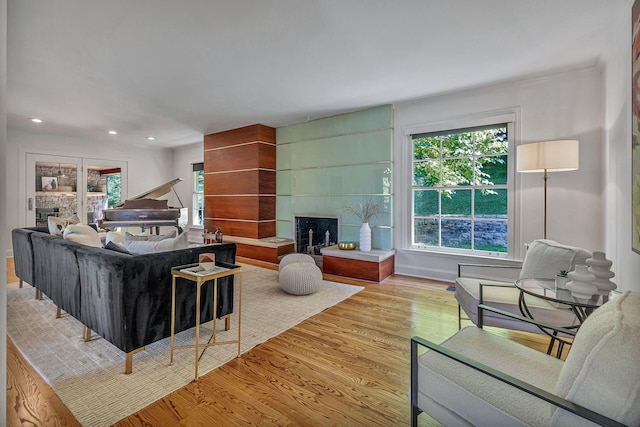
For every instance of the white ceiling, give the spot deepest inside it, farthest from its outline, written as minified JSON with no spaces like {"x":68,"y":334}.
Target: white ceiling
{"x":179,"y":69}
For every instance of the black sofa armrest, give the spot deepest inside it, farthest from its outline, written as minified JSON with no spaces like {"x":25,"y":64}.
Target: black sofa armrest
{"x":553,"y":399}
{"x":23,"y":254}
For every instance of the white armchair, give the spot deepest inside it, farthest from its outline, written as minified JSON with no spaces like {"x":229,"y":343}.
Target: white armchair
{"x":478,"y":378}
{"x":543,"y":260}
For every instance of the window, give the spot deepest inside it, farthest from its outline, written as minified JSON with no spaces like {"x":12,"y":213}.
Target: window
{"x":113,"y":189}
{"x":460,"y":189}
{"x":198,"y":194}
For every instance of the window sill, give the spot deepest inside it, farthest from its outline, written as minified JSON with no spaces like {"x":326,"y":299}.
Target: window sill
{"x":456,"y":255}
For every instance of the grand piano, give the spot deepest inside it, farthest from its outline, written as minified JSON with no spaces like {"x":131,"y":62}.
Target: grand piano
{"x":146,"y":211}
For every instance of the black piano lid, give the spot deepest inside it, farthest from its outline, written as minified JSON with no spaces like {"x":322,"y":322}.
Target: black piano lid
{"x":154,"y":193}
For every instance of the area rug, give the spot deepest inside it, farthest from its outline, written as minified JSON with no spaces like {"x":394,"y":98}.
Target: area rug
{"x":89,"y":377}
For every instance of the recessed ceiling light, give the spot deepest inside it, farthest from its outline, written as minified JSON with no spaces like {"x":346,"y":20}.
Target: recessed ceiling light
{"x":35,"y":120}
{"x":113,"y":132}
{"x":151,"y":138}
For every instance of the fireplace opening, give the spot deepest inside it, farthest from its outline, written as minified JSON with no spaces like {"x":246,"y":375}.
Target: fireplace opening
{"x":313,"y":233}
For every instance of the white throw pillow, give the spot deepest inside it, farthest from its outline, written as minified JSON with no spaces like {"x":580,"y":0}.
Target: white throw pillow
{"x":114,"y":236}
{"x":83,"y":234}
{"x":57,"y":225}
{"x":128,"y":237}
{"x":546,"y":258}
{"x":140,"y":247}
{"x":157,"y":237}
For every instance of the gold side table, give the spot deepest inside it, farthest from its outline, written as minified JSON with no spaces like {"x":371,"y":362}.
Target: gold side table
{"x":191,"y":272}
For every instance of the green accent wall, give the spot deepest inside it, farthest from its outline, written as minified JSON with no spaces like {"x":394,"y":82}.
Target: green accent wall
{"x":324,"y":165}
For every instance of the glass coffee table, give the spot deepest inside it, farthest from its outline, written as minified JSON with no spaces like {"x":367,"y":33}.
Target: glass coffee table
{"x":546,"y":289}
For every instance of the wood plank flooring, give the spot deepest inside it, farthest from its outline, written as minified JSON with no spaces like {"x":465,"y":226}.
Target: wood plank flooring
{"x":348,"y":365}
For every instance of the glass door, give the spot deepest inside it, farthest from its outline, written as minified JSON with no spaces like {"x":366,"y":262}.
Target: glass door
{"x":52,"y":185}
{"x":106,"y":182}
{"x":64,"y":186}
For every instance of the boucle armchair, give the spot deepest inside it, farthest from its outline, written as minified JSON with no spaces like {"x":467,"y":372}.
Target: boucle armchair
{"x":478,"y":378}
{"x":543,"y":260}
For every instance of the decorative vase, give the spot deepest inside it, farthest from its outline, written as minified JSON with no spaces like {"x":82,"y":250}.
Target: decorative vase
{"x":561,"y":282}
{"x":581,"y":282}
{"x":600,"y":267}
{"x":365,"y":237}
{"x":218,"y":235}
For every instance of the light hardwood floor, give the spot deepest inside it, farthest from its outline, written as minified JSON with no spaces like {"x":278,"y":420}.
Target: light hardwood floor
{"x":346,"y":366}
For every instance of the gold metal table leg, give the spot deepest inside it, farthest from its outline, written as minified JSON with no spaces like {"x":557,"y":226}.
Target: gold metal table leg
{"x":173,"y":317}
{"x":215,"y":307}
{"x":198,"y":285}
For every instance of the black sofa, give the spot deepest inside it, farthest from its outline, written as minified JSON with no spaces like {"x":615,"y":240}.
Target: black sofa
{"x":124,"y":298}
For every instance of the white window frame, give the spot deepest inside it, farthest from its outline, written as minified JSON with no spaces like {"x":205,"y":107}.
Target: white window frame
{"x":508,"y":117}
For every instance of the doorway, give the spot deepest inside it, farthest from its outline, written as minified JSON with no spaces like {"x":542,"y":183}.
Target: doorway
{"x":64,"y":186}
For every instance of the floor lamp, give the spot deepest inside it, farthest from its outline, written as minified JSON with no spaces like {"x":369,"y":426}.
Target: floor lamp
{"x":548,"y":156}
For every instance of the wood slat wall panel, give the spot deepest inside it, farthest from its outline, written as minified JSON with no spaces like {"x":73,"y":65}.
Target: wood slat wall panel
{"x":255,"y":208}
{"x":256,"y":181}
{"x":267,"y":156}
{"x":240,"y":181}
{"x":232,"y":158}
{"x":251,"y":229}
{"x":250,"y":133}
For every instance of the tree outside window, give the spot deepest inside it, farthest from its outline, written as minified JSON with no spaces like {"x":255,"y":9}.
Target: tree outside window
{"x":113,"y":190}
{"x":198,"y":194}
{"x":460,"y":193}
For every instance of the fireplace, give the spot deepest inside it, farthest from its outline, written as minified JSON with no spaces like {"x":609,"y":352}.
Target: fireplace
{"x":316,"y":228}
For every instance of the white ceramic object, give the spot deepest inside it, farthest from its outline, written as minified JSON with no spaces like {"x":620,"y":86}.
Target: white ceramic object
{"x":581,"y":282}
{"x":365,"y":237}
{"x":561,"y":282}
{"x":600,"y":267}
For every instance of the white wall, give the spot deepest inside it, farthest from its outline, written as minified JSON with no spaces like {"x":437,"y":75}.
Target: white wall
{"x":4,"y":237}
{"x":617,"y":154}
{"x":562,"y":106}
{"x":147,"y":167}
{"x":184,"y":157}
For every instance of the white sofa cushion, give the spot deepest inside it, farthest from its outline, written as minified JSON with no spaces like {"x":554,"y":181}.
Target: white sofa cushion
{"x":57,"y":225}
{"x":478,"y":398}
{"x":114,"y":236}
{"x":83,"y":234}
{"x":545,"y":259}
{"x":140,"y":247}
{"x":597,"y":374}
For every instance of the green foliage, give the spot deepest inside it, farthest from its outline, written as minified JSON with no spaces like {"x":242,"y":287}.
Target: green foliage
{"x":457,"y":172}
{"x":113,"y":190}
{"x":454,"y":152}
{"x":199,"y":182}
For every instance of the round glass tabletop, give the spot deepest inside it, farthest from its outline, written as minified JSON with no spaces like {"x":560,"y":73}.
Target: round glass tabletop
{"x":547,"y":289}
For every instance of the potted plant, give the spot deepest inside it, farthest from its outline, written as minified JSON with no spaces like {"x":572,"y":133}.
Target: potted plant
{"x":366,"y":211}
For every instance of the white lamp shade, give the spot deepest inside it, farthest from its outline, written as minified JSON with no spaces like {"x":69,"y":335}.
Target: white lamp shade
{"x":562,"y":155}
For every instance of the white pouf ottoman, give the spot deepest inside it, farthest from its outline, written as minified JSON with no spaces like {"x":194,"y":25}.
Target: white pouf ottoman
{"x":300,"y":278}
